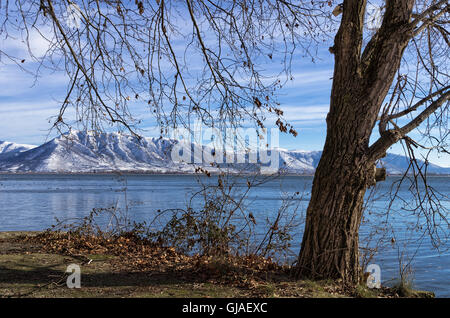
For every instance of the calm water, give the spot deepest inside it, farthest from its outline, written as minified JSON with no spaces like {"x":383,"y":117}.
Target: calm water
{"x":31,"y":202}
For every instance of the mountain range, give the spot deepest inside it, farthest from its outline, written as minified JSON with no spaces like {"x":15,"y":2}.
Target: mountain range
{"x":12,"y":148}
{"x":87,"y":152}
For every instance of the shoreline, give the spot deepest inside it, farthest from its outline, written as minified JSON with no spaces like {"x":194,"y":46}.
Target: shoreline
{"x":147,"y":173}
{"x":32,"y":266}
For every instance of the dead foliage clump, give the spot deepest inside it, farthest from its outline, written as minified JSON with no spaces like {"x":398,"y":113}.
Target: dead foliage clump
{"x":135,"y":253}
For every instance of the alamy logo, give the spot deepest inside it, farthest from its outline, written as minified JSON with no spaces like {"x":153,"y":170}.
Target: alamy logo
{"x":74,"y":279}
{"x":73,"y":16}
{"x":374,"y":277}
{"x":210,"y":146}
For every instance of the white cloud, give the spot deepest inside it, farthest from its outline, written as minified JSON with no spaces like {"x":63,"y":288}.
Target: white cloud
{"x":311,"y":77}
{"x":17,"y":83}
{"x":304,"y":113}
{"x":38,"y":43}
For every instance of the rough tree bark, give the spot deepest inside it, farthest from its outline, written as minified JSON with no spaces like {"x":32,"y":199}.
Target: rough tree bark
{"x":360,"y":84}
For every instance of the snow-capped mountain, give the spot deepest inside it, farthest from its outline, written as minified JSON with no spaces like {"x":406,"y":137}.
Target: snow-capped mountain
{"x":86,"y":152}
{"x":299,"y":161}
{"x":11,"y":149}
{"x":79,"y":151}
{"x":397,"y":164}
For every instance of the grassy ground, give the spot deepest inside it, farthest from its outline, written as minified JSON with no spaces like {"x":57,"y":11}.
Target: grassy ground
{"x":29,"y":270}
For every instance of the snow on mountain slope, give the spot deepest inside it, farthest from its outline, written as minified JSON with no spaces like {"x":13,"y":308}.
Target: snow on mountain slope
{"x":299,"y":161}
{"x":95,"y":152}
{"x":305,"y":162}
{"x":10,"y":147}
{"x":397,"y":164}
{"x":86,"y":151}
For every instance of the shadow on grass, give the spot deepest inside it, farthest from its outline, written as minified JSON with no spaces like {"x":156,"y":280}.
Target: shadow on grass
{"x":47,"y":274}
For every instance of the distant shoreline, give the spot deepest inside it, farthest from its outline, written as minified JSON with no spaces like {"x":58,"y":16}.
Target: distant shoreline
{"x":142,"y":173}
{"x":212,"y":173}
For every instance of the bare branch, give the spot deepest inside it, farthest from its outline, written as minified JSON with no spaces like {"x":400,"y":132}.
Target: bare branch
{"x":391,"y":136}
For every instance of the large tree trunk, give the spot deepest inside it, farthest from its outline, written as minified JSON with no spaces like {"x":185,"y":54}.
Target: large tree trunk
{"x":330,"y":242}
{"x":347,"y":168}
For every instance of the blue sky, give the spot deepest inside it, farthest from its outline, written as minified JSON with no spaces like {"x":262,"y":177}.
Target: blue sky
{"x":27,"y":105}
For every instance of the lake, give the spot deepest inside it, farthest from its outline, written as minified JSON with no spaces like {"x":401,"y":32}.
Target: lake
{"x":31,"y":202}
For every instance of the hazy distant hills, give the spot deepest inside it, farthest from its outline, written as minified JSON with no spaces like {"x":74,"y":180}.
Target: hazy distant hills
{"x":79,"y":152}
